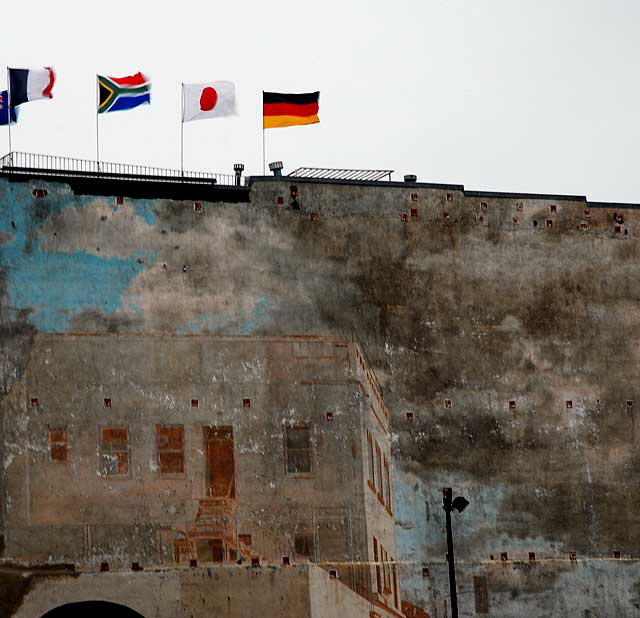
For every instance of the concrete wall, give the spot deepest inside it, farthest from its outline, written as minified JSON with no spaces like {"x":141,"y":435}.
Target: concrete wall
{"x":244,"y":592}
{"x":214,"y":591}
{"x":329,"y":599}
{"x":70,"y":511}
{"x":580,"y":589}
{"x":476,"y":300}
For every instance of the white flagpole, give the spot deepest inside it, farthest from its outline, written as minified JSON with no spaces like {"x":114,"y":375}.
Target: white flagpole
{"x":97,"y":123}
{"x":9,"y":112}
{"x":263,"y":157}
{"x":182,"y":129}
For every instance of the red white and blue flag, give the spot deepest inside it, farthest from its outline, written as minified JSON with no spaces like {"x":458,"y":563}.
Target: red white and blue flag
{"x":4,"y":110}
{"x":30,"y":84}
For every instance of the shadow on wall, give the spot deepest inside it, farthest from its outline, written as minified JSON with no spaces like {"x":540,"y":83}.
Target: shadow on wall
{"x":96,"y":609}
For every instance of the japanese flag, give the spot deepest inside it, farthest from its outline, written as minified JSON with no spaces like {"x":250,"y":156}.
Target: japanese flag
{"x":212,"y":100}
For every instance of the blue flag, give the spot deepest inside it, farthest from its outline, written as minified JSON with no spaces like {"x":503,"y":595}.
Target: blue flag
{"x":4,"y":109}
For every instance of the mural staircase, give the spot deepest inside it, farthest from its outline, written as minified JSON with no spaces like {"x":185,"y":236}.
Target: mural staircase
{"x":214,"y":520}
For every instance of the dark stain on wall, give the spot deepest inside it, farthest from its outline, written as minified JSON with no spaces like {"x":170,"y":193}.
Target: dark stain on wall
{"x":522,"y":578}
{"x":16,"y":341}
{"x":176,"y":217}
{"x":437,"y":330}
{"x":635,"y":599}
{"x":15,"y":587}
{"x":94,"y":321}
{"x":16,"y":583}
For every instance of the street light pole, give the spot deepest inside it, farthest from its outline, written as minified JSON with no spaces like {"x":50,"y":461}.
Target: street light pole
{"x":446,"y":505}
{"x":459,"y":504}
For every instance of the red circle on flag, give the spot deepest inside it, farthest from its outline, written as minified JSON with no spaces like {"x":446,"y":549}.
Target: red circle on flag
{"x":208,"y":99}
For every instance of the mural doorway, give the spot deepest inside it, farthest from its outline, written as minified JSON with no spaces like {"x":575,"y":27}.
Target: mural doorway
{"x":221,"y":467}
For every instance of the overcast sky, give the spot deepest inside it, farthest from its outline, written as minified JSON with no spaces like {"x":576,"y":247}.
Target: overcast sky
{"x":506,"y":95}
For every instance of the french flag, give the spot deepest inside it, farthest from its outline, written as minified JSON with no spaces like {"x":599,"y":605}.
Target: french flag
{"x":30,"y":84}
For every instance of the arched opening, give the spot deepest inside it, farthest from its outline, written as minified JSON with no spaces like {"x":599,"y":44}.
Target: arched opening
{"x":95,"y":609}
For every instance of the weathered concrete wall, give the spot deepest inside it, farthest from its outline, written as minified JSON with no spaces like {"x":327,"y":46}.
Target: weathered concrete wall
{"x":215,"y":591}
{"x":69,"y":511}
{"x":476,"y":300}
{"x":303,"y":591}
{"x":591,"y":588}
{"x":329,"y":599}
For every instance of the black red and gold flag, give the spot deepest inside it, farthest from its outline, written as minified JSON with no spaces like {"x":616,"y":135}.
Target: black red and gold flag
{"x":287,"y":110}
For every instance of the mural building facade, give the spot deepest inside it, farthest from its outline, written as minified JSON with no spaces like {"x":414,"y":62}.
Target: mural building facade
{"x":245,"y":399}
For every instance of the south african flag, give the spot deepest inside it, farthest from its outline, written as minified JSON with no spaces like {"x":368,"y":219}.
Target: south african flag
{"x":121,"y":93}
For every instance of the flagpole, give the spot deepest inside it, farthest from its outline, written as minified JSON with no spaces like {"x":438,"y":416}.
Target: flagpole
{"x":9,"y":112}
{"x":263,"y":157}
{"x":97,"y":123}
{"x":182,"y":129}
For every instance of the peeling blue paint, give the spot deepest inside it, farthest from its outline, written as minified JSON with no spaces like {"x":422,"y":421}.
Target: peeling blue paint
{"x":206,"y":323}
{"x":411,"y":516}
{"x":144,"y":210}
{"x":223,"y":321}
{"x":54,"y":286}
{"x":50,"y":286}
{"x":258,"y":318}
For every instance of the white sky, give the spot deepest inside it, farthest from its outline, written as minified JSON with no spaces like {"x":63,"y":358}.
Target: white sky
{"x":506,"y":95}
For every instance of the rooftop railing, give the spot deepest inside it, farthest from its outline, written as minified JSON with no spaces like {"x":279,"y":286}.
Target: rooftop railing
{"x":27,"y":163}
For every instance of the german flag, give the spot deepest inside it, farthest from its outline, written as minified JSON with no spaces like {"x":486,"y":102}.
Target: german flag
{"x":288,"y":110}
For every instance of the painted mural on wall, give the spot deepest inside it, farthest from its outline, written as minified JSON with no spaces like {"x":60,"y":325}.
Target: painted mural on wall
{"x":252,"y":382}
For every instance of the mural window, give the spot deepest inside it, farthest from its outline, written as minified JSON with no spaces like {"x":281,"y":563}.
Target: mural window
{"x":378,"y":572}
{"x":395,"y":583}
{"x":361,"y":579}
{"x":303,"y":545}
{"x":312,"y":349}
{"x":481,"y":594}
{"x":298,"y":450}
{"x":114,"y":451}
{"x":372,"y":476}
{"x":58,"y":445}
{"x":387,"y":480}
{"x":384,"y":556}
{"x":170,"y":447}
{"x":379,"y":473}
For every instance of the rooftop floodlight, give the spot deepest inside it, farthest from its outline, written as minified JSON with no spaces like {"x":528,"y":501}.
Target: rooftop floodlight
{"x":238,"y":168}
{"x":460,"y":504}
{"x":276,"y":168}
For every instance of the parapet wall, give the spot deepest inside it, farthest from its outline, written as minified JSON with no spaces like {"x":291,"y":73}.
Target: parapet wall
{"x":448,"y":204}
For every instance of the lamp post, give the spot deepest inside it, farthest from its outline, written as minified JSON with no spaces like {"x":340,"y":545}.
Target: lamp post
{"x":459,"y":504}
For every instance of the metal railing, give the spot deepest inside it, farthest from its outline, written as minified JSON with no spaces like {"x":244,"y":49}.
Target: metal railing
{"x":330,"y":173}
{"x":50,"y":165}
